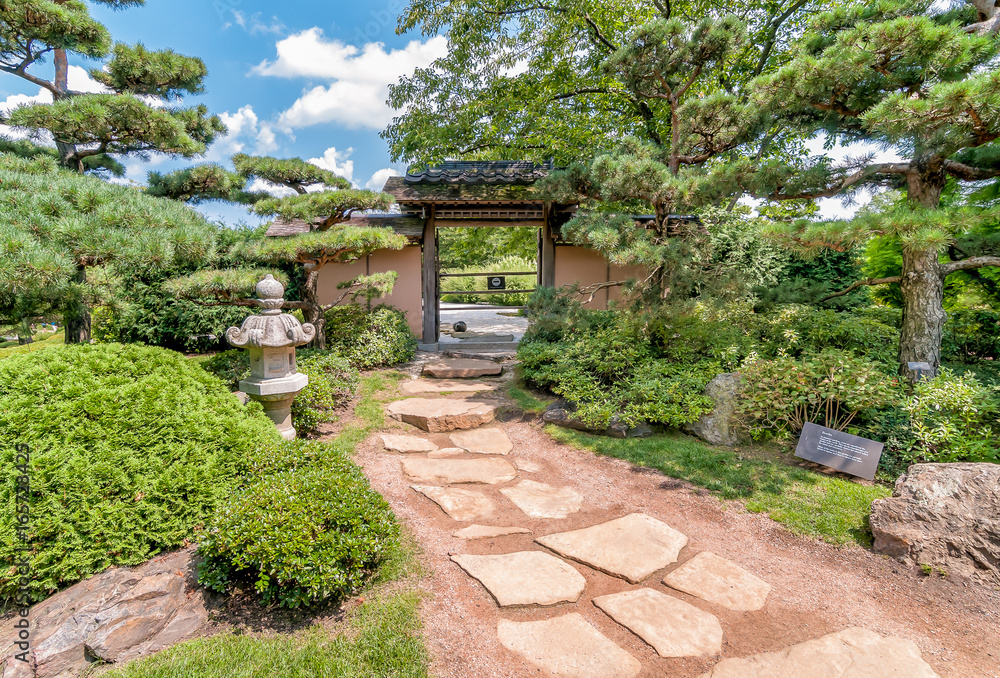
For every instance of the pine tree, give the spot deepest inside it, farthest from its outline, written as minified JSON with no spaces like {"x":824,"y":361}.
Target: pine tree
{"x":122,"y":122}
{"x":923,"y":85}
{"x":325,"y":211}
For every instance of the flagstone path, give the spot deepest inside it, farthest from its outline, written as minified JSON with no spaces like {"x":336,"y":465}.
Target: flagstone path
{"x":682,"y":602}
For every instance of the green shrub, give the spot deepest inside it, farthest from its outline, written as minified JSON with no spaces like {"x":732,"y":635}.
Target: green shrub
{"x":610,"y":371}
{"x":971,"y":335}
{"x":308,"y":530}
{"x":132,"y":447}
{"x":149,"y":315}
{"x":332,"y":381}
{"x":953,"y":419}
{"x":370,"y":338}
{"x":830,"y":389}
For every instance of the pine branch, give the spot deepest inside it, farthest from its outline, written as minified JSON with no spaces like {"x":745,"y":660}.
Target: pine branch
{"x":970,"y":263}
{"x":862,"y":283}
{"x":968,"y":172}
{"x":845,"y":183}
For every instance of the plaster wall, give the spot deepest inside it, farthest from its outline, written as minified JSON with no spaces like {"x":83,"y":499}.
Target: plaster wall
{"x":585,"y":267}
{"x":406,"y":294}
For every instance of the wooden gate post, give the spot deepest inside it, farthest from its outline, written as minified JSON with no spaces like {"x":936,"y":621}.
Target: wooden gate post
{"x":431,"y":307}
{"x":547,"y":260}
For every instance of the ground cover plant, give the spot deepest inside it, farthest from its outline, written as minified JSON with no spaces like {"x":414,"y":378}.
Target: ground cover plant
{"x":132,"y":447}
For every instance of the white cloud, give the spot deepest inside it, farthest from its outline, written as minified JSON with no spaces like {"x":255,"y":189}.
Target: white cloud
{"x":359,"y":79}
{"x":247,"y":134}
{"x":275,"y":190}
{"x":336,"y":162}
{"x":255,"y":25}
{"x":380,"y":177}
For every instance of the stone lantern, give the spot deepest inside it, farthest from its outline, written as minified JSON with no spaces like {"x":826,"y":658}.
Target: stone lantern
{"x":271,"y":338}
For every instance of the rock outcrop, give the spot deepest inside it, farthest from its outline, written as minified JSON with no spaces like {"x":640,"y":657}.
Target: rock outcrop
{"x":113,"y":617}
{"x":943,"y":515}
{"x":721,"y":427}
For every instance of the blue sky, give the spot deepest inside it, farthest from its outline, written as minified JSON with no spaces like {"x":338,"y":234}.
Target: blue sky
{"x":305,"y":79}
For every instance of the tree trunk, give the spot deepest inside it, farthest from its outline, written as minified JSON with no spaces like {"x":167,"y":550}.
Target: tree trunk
{"x":314,"y":314}
{"x":76,"y":318}
{"x":67,"y":152}
{"x":923,"y":313}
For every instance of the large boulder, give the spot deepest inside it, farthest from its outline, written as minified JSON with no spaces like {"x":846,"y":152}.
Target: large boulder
{"x":562,"y":413}
{"x":721,"y":427}
{"x":943,"y":515}
{"x":114,"y":617}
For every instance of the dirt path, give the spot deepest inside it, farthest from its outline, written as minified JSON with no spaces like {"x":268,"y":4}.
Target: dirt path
{"x":817,"y":589}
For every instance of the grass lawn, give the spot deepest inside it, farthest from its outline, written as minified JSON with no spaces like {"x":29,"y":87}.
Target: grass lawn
{"x":806,"y":502}
{"x":39,"y":345}
{"x":379,"y":638}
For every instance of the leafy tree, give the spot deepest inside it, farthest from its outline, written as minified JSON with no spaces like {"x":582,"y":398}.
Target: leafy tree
{"x":894,"y":75}
{"x":325,"y":212}
{"x":121,"y":122}
{"x":529,"y":80}
{"x":55,"y":225}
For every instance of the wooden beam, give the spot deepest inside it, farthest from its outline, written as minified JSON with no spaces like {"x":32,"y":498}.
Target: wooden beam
{"x":547,"y":260}
{"x":465,"y":294}
{"x":484,"y":275}
{"x":483,"y":223}
{"x":430,"y":281}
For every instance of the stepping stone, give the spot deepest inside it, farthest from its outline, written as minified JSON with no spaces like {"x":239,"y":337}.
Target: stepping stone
{"x":441,"y":415}
{"x":462,"y":369}
{"x":720,"y":581}
{"x":527,"y":466}
{"x":674,"y":628}
{"x":461,"y":505}
{"x":407,"y":444}
{"x":483,"y":441}
{"x":851,"y":653}
{"x":487,"y":336}
{"x":567,"y":647}
{"x":444,"y":386}
{"x":525,"y":578}
{"x":539,"y":500}
{"x":486,"y":532}
{"x":632,"y":547}
{"x":456,"y":471}
{"x":446,"y":452}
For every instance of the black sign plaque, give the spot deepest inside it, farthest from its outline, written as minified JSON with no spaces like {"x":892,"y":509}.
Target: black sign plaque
{"x":839,"y":450}
{"x":497,"y":282}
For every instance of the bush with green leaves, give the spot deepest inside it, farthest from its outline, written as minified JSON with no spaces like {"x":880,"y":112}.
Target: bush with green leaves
{"x":954,"y":418}
{"x":610,"y":370}
{"x":305,"y":528}
{"x":971,"y":335}
{"x":829,"y":388}
{"x":131,"y":448}
{"x":370,"y":338}
{"x":332,"y":382}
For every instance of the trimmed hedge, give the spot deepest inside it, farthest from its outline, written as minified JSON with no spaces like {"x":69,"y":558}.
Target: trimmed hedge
{"x":132,"y":447}
{"x":309,"y":528}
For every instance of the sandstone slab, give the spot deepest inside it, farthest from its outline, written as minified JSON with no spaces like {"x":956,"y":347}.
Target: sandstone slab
{"x":483,"y":441}
{"x":462,"y":369}
{"x":567,"y":647}
{"x":459,"y":504}
{"x":539,"y":500}
{"x":525,"y":578}
{"x":446,"y":452}
{"x":116,"y":616}
{"x":851,"y":653}
{"x":441,"y":415}
{"x":720,"y":581}
{"x":489,"y":471}
{"x":416,"y":386}
{"x":487,"y":532}
{"x":632,"y":547}
{"x":407,"y":444}
{"x":527,"y":466}
{"x":945,"y":515}
{"x":672,"y":627}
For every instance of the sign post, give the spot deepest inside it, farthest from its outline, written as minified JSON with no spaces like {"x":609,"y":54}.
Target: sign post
{"x":838,"y":450}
